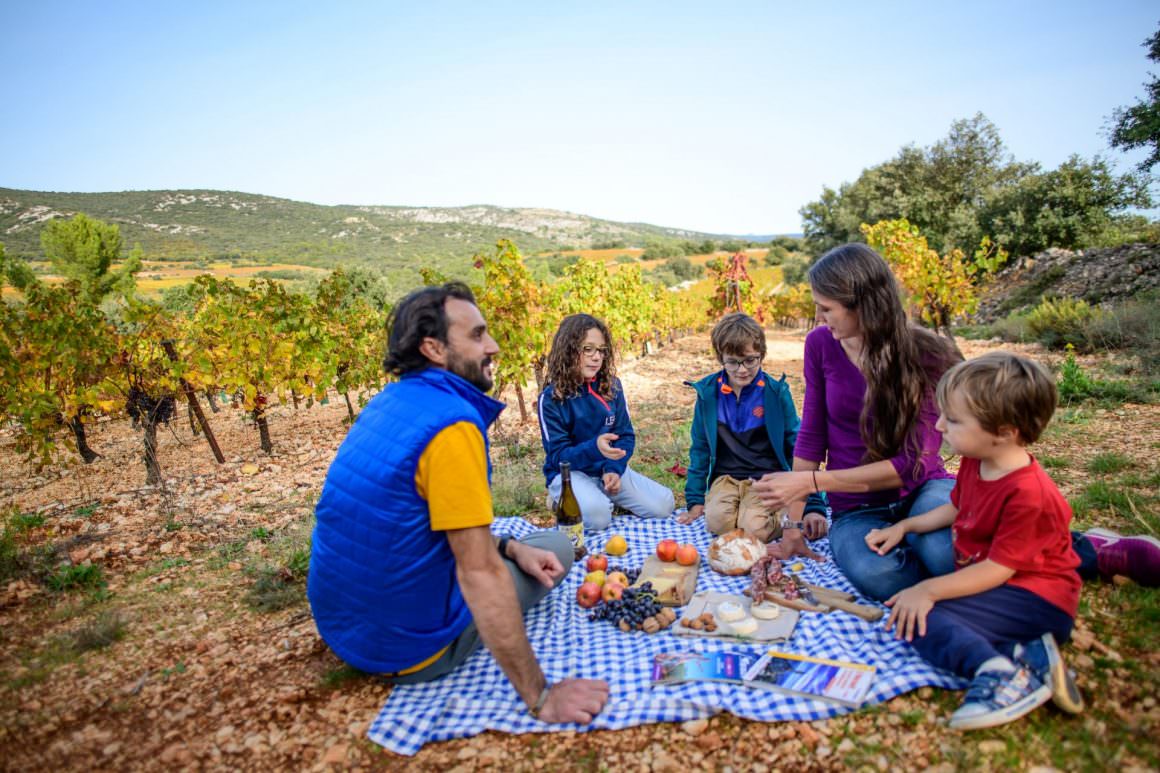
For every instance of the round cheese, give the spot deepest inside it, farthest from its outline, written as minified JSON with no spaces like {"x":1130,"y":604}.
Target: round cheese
{"x":766,"y":611}
{"x":729,"y":611}
{"x":745,"y":626}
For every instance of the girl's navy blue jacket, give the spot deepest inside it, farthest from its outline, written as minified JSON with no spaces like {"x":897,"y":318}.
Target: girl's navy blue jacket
{"x":569,"y":428}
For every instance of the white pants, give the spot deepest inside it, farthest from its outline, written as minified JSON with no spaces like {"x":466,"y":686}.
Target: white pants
{"x":639,"y":494}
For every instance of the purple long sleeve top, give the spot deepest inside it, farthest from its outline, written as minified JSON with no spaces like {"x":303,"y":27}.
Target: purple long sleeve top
{"x":835,"y":390}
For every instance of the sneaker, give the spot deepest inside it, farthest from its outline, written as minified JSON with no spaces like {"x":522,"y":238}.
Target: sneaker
{"x":1043,"y":657}
{"x":1000,"y":693}
{"x":1136,"y":557}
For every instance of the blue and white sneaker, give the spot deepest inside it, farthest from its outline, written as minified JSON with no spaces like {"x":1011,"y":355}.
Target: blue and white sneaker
{"x":1001,"y":692}
{"x":1043,"y":657}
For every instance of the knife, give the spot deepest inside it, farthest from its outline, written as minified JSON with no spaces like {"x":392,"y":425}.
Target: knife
{"x":805,"y":592}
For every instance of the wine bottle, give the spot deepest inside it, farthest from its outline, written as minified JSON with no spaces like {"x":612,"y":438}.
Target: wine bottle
{"x":568,"y":518}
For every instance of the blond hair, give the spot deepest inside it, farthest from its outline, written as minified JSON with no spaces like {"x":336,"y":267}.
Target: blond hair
{"x":1002,"y":389}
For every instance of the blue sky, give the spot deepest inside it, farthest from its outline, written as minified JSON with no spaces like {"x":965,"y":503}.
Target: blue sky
{"x":723,"y":119}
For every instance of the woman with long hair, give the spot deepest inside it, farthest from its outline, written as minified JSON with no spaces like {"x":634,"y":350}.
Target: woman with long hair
{"x":869,"y":414}
{"x":584,"y":421}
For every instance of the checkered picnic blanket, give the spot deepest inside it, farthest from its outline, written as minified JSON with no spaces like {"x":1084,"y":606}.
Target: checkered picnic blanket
{"x":478,"y":696}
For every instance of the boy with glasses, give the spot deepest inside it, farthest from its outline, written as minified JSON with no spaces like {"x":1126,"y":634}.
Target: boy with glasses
{"x":744,"y":426}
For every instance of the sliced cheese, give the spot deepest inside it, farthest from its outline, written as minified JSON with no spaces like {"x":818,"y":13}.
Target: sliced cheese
{"x":663,"y":585}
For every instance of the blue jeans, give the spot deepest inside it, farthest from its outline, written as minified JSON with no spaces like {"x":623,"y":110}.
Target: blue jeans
{"x":920,"y":556}
{"x":964,"y":633}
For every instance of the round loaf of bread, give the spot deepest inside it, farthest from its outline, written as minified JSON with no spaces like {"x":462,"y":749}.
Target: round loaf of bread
{"x":735,"y":552}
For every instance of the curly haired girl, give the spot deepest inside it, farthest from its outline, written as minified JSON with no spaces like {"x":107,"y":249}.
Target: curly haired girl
{"x":584,"y":421}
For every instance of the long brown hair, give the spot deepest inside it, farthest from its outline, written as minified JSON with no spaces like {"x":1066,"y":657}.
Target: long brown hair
{"x":902,"y":362}
{"x":564,"y":359}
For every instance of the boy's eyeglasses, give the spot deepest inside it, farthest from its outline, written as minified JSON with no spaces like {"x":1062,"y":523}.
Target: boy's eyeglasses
{"x":749,"y":362}
{"x":588,"y":350}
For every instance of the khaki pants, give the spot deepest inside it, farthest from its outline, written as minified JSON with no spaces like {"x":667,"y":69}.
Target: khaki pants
{"x":732,"y":504}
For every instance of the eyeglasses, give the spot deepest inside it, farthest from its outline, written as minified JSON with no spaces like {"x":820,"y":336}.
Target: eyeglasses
{"x":588,"y":350}
{"x":749,"y":362}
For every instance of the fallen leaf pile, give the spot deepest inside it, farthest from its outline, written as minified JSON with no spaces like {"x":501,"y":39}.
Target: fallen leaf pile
{"x":200,"y":677}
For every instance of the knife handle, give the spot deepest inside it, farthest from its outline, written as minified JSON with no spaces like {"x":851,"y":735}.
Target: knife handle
{"x":867,"y":613}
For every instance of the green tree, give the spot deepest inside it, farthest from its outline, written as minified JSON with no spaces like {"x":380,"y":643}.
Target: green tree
{"x":1073,"y":206}
{"x":83,"y":250}
{"x":1138,"y":126}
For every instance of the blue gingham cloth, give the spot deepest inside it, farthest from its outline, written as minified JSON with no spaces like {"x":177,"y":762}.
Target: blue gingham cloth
{"x":478,"y":697}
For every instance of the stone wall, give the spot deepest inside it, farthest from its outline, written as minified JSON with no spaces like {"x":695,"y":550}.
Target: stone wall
{"x":1097,"y":275}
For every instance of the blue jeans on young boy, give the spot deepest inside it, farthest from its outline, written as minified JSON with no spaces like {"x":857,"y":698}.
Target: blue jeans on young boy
{"x":964,"y":633}
{"x":920,"y":556}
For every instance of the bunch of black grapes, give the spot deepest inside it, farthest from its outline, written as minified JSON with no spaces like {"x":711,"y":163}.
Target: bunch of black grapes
{"x":634,"y":607}
{"x":631,"y":574}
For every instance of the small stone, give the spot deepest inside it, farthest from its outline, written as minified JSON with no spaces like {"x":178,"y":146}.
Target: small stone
{"x":466,"y":753}
{"x":992,"y":746}
{"x":336,"y":754}
{"x":926,"y":693}
{"x":695,"y":727}
{"x":111,"y":749}
{"x":846,"y":746}
{"x":809,"y":735}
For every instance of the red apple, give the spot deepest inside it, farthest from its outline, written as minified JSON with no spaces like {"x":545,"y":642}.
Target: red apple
{"x":588,"y":595}
{"x":687,"y":555}
{"x":667,"y":549}
{"x":612,"y":591}
{"x":597,"y":562}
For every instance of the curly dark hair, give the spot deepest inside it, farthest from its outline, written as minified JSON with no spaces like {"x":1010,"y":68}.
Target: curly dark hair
{"x":422,"y":314}
{"x":902,"y":361}
{"x":564,"y":359}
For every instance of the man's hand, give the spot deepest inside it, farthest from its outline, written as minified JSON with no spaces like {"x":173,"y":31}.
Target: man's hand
{"x":604,"y":445}
{"x":692,"y":514}
{"x":814,"y":526}
{"x":908,"y":611}
{"x":611,"y":482}
{"x":779,"y":490}
{"x":792,"y":544}
{"x":537,"y":562}
{"x":574,"y":700}
{"x":882,"y":541}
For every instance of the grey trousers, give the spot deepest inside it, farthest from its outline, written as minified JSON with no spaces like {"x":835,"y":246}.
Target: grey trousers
{"x":530,"y":592}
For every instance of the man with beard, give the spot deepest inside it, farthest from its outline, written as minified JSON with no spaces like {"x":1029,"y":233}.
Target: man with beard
{"x":406,"y":579}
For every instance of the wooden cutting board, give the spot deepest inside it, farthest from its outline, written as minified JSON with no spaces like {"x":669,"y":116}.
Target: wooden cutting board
{"x":778,"y":629}
{"x":675,"y":584}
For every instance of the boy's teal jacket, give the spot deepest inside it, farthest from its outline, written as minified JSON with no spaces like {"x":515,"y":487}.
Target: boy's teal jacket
{"x":781,"y":422}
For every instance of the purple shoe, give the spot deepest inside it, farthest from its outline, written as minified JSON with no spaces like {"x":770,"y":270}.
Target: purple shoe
{"x":1137,"y":558}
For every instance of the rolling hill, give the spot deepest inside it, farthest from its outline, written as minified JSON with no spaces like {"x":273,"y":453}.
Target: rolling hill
{"x":215,"y":225}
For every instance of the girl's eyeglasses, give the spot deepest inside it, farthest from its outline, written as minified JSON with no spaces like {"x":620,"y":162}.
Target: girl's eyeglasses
{"x":749,"y":362}
{"x":588,"y":350}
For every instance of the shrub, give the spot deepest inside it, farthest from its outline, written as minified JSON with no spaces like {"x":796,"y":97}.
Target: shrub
{"x":1133,"y":325}
{"x":793,"y":271}
{"x":74,"y":576}
{"x":1060,"y":322}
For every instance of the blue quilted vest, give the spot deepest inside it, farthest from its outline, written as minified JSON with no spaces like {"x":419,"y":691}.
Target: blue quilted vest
{"x":382,"y":584}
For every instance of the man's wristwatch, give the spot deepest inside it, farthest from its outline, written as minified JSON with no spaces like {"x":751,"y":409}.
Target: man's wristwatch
{"x":503,"y":546}
{"x":538,"y":706}
{"x":786,"y":523}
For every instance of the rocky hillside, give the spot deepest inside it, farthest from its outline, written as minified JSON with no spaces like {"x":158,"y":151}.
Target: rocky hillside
{"x":190,"y":224}
{"x":1096,"y":275}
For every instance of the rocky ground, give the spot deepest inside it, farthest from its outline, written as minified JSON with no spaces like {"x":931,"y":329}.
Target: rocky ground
{"x":190,"y":646}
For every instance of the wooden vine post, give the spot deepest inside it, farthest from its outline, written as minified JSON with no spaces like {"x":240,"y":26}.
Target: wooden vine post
{"x":191,"y":398}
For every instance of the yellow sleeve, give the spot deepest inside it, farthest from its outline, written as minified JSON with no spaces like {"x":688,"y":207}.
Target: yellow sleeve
{"x":452,"y":477}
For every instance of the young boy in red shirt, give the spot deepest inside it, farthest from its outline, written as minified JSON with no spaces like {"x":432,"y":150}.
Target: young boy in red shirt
{"x":997,"y":618}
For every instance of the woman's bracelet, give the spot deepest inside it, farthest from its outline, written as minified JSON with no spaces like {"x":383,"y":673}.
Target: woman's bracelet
{"x":814,"y":473}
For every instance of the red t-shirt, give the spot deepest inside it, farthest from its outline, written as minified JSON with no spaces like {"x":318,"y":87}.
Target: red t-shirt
{"x":1022,"y":522}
